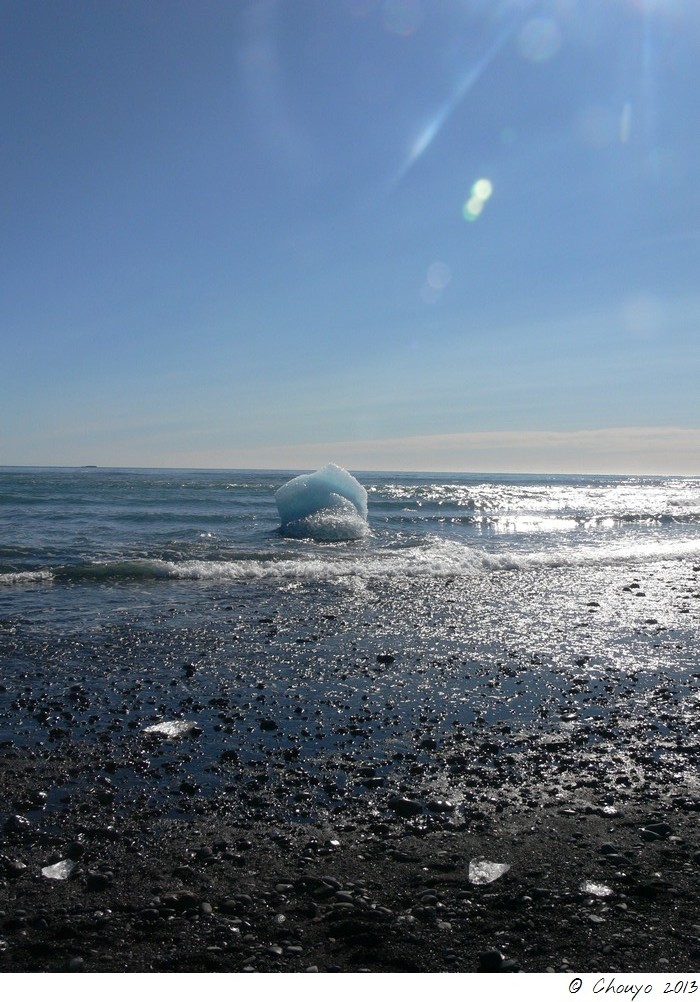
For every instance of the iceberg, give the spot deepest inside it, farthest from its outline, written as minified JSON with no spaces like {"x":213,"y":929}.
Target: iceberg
{"x":326,"y":505}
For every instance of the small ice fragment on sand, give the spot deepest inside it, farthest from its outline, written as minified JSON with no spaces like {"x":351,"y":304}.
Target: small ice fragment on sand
{"x":171,"y":728}
{"x":329,"y":504}
{"x":59,"y":871}
{"x":597,"y":890}
{"x":483,"y":871}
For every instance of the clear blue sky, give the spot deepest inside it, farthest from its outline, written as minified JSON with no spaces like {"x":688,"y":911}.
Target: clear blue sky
{"x":240,"y":233}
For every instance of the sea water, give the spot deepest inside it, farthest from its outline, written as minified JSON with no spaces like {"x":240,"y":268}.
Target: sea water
{"x":131,"y":598}
{"x":61,"y":527}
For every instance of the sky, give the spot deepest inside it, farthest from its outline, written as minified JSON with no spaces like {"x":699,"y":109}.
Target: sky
{"x":458,"y":235}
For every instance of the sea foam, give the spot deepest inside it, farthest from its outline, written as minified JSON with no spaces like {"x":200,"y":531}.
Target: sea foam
{"x":432,"y":557}
{"x":26,"y":577}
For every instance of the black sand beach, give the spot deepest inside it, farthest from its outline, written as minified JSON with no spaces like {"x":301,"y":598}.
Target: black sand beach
{"x":349,"y":756}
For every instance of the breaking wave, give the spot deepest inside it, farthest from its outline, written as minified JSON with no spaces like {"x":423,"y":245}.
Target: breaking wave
{"x":431,"y":557}
{"x":26,"y":577}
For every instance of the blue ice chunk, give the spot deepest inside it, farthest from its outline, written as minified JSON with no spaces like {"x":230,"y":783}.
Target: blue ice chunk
{"x":329,"y":504}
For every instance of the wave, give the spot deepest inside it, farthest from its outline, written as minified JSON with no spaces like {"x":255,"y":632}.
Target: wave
{"x":609,"y":555}
{"x":26,"y":577}
{"x":433,"y":557}
{"x":586,"y":502}
{"x":571,"y":519}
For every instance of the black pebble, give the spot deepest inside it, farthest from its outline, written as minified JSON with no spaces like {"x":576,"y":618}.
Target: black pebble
{"x":405,"y":807}
{"x":490,"y":961}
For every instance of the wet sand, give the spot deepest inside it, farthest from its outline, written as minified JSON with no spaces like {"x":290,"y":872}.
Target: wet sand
{"x":323,"y":815}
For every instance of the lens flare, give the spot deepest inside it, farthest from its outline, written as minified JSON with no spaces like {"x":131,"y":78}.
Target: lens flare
{"x":481,"y":192}
{"x":472,"y":209}
{"x":482,"y":189}
{"x":439,"y":275}
{"x":539,"y":39}
{"x":425,"y":138}
{"x":437,"y":278}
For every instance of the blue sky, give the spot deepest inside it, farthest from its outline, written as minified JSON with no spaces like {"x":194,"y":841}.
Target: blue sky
{"x":236,"y":234}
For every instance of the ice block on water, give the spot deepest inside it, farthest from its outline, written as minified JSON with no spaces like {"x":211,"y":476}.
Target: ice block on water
{"x":329,"y":504}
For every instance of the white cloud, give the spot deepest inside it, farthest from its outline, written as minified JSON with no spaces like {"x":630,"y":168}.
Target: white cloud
{"x":642,"y":450}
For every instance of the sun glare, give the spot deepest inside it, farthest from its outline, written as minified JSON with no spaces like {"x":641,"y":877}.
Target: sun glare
{"x":481,"y":192}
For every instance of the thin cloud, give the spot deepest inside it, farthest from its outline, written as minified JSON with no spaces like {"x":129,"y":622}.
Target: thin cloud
{"x":637,"y":450}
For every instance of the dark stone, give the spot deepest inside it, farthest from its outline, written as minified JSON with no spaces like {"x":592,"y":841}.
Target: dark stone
{"x":490,"y":961}
{"x":617,"y":859}
{"x":97,"y":881}
{"x":385,"y":659}
{"x":650,"y":888}
{"x":17,"y":823}
{"x":509,"y":967}
{"x":662,"y":828}
{"x":180,"y":901}
{"x":440,"y":806}
{"x":184,"y":873}
{"x":230,"y":907}
{"x":373,"y":782}
{"x":12,"y":868}
{"x":405,"y":807}
{"x":323,"y":891}
{"x":266,"y":724}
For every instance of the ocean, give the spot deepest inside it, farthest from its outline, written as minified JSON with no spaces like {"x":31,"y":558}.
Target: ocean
{"x":95,"y":527}
{"x":130,"y":597}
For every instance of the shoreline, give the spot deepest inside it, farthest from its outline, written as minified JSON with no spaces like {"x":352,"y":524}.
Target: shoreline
{"x":328,"y":823}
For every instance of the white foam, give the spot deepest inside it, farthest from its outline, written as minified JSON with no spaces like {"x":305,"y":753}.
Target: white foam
{"x":341,"y":522}
{"x":26,"y":578}
{"x":435,"y":557}
{"x":603,"y":554}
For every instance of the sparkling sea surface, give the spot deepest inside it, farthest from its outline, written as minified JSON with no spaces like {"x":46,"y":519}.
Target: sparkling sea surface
{"x":560,"y":603}
{"x":92,"y":527}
